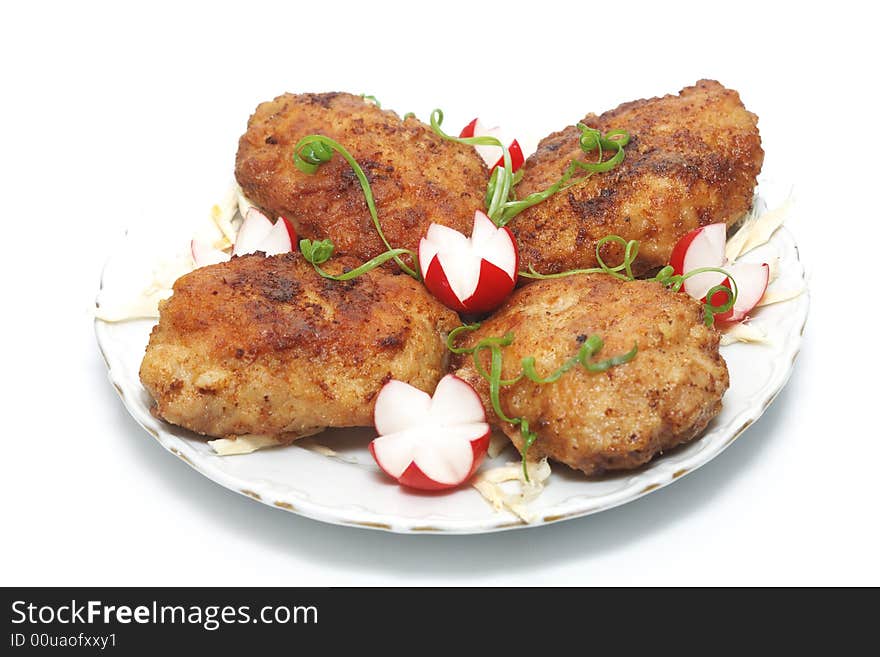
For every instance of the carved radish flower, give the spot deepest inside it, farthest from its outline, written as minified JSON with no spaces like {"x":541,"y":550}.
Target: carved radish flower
{"x":471,"y":275}
{"x":430,"y":442}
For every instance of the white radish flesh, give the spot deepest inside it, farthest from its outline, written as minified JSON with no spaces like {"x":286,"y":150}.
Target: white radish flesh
{"x":751,"y":282}
{"x":436,"y":434}
{"x":254,"y":229}
{"x":461,"y":257}
{"x":277,"y":241}
{"x":706,"y":250}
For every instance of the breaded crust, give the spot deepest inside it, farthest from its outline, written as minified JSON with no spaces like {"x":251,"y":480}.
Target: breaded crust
{"x":692,"y":160}
{"x":620,"y":418}
{"x":266,"y":346}
{"x":417,"y":178}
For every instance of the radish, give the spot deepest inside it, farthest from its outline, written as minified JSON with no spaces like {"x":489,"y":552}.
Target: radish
{"x":752,"y":280}
{"x":704,"y":247}
{"x":490,"y":153}
{"x":278,"y":240}
{"x":471,"y":275}
{"x":257,"y":233}
{"x":430,"y":443}
{"x":203,"y":254}
{"x":291,"y":231}
{"x":254,"y":229}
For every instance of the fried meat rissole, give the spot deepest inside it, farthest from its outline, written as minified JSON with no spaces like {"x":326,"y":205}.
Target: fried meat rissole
{"x":620,"y":418}
{"x":692,"y":160}
{"x":417,"y":178}
{"x":266,"y":346}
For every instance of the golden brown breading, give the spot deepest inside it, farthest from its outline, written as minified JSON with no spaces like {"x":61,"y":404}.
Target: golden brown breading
{"x":692,"y":160}
{"x":266,"y":346}
{"x":620,"y":418}
{"x":417,"y":178}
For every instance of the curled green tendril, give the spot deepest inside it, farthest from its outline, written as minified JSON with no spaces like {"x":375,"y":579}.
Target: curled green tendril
{"x":319,"y":252}
{"x":710,"y":309}
{"x":494,"y":345}
{"x":529,"y":437}
{"x":670,"y":279}
{"x":311,"y":154}
{"x":372,"y":99}
{"x":665,"y":275}
{"x":630,"y":253}
{"x":614,"y":361}
{"x":591,"y":346}
{"x":453,"y":336}
{"x":590,"y":140}
{"x":314,"y":150}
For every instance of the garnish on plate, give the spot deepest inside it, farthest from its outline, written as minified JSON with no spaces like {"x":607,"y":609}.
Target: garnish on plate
{"x":309,"y":154}
{"x":430,"y":442}
{"x":589,"y":348}
{"x":248,"y":443}
{"x":623,"y":271}
{"x":705,"y":273}
{"x":490,"y":154}
{"x":256,"y":234}
{"x":501,"y":202}
{"x":318,"y":252}
{"x":718,"y":297}
{"x":471,"y":275}
{"x":492,"y":484}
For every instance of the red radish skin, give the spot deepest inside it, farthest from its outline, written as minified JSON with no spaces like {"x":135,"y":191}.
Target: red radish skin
{"x":713,"y":258}
{"x":291,"y":232}
{"x":493,"y":284}
{"x":517,"y":159}
{"x":468,"y":131}
{"x":676,"y":260}
{"x":413,"y":477}
{"x":751,"y":279}
{"x":492,"y":290}
{"x":438,"y":285}
{"x":704,"y":249}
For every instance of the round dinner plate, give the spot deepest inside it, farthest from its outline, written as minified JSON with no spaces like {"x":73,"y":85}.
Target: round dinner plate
{"x":348,"y":488}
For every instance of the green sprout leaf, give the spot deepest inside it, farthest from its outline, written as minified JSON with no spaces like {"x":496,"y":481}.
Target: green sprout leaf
{"x":317,"y":252}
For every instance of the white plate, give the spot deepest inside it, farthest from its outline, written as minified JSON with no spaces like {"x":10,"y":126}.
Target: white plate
{"x":348,"y":489}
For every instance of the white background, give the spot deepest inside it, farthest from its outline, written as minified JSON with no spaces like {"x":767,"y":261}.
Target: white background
{"x":114,"y":116}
